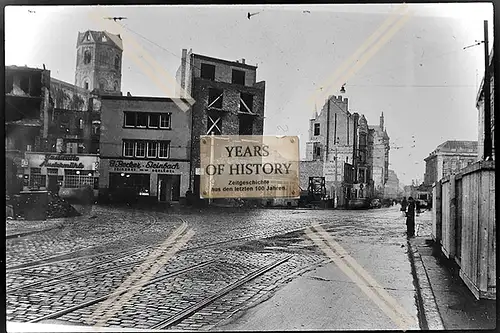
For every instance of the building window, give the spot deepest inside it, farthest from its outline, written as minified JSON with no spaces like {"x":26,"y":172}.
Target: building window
{"x":214,"y":124}
{"x":104,"y":39}
{"x":147,"y":120}
{"x":165,"y":120}
{"x":80,"y":123}
{"x":316,"y":129}
{"x":215,"y":98}
{"x":128,"y":148}
{"x":238,"y":77}
{"x":130,"y":119}
{"x":96,"y":125}
{"x":102,"y":85}
{"x":115,"y":86}
{"x":142,"y":119}
{"x":246,"y":102}
{"x":140,"y":149}
{"x":154,"y":120}
{"x":164,"y":151}
{"x":87,"y":57}
{"x":78,"y":178}
{"x":81,"y":148}
{"x":86,"y":84}
{"x":152,"y":149}
{"x":317,"y":151}
{"x":88,"y":36}
{"x":208,"y":72}
{"x":117,"y":62}
{"x":246,"y":125}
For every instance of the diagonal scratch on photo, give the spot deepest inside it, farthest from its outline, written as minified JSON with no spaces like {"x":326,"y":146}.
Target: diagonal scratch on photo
{"x":250,"y":167}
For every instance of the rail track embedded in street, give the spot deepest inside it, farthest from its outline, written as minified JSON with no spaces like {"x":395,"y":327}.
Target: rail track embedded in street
{"x":192,"y":309}
{"x":100,"y":299}
{"x":70,"y":256}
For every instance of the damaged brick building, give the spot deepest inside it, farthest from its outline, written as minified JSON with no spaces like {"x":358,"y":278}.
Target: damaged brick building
{"x":228,"y":101}
{"x":27,"y":107}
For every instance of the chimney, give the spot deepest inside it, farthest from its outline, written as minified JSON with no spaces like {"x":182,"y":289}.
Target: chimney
{"x":242,"y":60}
{"x":184,"y":54}
{"x":382,"y":121}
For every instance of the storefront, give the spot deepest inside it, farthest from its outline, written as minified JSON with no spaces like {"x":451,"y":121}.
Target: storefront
{"x":66,"y":173}
{"x":162,"y":181}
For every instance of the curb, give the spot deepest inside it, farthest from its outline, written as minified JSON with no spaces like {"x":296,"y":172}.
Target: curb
{"x":428,"y":310}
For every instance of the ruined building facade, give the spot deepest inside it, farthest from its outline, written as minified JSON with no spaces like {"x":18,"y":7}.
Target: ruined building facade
{"x":228,"y":101}
{"x":347,"y":146}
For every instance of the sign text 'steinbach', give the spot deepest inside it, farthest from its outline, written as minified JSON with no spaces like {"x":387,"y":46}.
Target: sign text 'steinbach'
{"x":249,"y":166}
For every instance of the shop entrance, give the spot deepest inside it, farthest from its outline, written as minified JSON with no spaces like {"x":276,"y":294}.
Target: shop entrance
{"x":52,"y":184}
{"x":169,"y":188}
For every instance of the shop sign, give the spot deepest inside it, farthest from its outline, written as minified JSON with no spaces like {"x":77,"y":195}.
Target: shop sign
{"x":235,"y":166}
{"x":141,"y":166}
{"x":62,"y":161}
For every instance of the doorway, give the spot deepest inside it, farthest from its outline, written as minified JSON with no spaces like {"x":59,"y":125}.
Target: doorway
{"x":169,"y":188}
{"x":52,"y":184}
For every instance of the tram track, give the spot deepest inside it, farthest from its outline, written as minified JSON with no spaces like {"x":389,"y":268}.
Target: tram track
{"x":70,"y":256}
{"x":91,"y":269}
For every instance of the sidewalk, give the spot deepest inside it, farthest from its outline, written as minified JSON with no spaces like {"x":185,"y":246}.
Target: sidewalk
{"x":447,"y":303}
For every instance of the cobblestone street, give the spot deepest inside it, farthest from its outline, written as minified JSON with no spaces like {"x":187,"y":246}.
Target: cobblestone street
{"x":65,"y":273}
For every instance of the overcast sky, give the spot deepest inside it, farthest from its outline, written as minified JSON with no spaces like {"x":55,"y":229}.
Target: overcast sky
{"x":418,"y":74}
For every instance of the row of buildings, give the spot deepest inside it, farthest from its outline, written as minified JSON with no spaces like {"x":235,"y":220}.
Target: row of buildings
{"x":351,"y":155}
{"x":66,"y":137}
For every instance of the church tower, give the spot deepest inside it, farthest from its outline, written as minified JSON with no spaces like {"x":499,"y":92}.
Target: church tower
{"x":99,"y":61}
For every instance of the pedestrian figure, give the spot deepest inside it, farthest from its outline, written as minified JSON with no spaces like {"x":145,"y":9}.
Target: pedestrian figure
{"x":417,"y":206}
{"x":410,"y":218}
{"x":404,"y":204}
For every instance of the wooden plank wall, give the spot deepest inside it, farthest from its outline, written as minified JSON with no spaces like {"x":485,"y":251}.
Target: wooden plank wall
{"x":459,"y":218}
{"x":478,"y":234}
{"x":437,"y":212}
{"x":445,"y":213}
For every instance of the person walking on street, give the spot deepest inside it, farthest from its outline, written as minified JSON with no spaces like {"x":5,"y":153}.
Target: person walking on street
{"x":404,"y":204}
{"x":410,"y":218}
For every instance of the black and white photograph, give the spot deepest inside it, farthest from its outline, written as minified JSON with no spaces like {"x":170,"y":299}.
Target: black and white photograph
{"x":272,"y":167}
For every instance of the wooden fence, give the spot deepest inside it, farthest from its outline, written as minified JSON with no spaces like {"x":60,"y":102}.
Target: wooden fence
{"x":464,"y":225}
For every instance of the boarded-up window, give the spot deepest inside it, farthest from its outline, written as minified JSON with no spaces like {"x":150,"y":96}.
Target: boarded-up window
{"x":246,"y":102}
{"x":215,"y":97}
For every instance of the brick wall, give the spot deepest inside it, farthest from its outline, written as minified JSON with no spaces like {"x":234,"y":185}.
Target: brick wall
{"x":229,"y":113}
{"x":309,"y":169}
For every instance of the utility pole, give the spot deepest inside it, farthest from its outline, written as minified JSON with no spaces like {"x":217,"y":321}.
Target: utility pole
{"x":487,"y":97}
{"x":336,"y":171}
{"x":327,"y":131}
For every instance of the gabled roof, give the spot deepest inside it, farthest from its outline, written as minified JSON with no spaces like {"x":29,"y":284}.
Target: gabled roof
{"x":97,"y":36}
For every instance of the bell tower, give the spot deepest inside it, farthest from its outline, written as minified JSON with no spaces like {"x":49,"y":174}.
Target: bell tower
{"x":99,"y":61}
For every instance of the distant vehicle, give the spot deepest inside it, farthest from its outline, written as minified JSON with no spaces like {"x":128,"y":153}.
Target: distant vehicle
{"x":422,"y":203}
{"x":376,"y":203}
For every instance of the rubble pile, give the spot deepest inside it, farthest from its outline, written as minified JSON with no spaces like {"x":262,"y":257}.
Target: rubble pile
{"x":58,"y":207}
